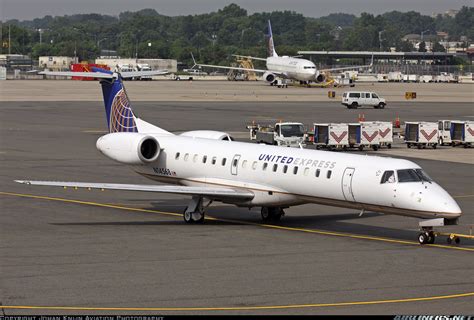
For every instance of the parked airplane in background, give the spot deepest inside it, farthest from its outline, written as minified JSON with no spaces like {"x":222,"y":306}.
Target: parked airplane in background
{"x":209,"y":166}
{"x":298,"y":69}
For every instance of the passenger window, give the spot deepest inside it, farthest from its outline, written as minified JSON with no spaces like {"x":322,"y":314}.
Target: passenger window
{"x":204,"y":159}
{"x":265,"y":165}
{"x":254,"y":165}
{"x":275,"y":167}
{"x":306,"y":171}
{"x":367,"y":95}
{"x":374,"y":96}
{"x":447,"y":125}
{"x":285,"y":168}
{"x":235,"y":162}
{"x":440,"y":126}
{"x":186,"y":156}
{"x":244,"y":163}
{"x":317,"y":173}
{"x":214,"y":159}
{"x":176,"y":156}
{"x":295,"y":170}
{"x":223,"y":161}
{"x":328,"y":175}
{"x":195,"y":158}
{"x":388,"y":177}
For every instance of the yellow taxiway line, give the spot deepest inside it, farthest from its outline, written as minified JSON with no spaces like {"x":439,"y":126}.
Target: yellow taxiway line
{"x":269,"y":226}
{"x":247,"y":308}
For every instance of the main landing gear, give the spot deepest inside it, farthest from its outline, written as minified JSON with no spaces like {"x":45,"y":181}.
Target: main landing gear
{"x":272,"y":214}
{"x":195,"y":211}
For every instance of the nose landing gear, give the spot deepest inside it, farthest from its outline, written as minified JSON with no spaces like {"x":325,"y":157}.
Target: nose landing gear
{"x":427,"y":236}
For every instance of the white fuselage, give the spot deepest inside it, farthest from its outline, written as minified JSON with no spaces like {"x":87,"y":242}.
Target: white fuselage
{"x":293,"y":68}
{"x":344,"y":180}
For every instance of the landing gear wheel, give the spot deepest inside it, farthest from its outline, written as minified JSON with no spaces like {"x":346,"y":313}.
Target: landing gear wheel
{"x":266,"y":214}
{"x":188,"y":216}
{"x":431,"y":237}
{"x":198,"y":217}
{"x":271,"y":214}
{"x":423,"y":238}
{"x":361,"y":148}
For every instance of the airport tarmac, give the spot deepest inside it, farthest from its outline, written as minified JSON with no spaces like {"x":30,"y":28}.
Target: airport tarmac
{"x":79,"y":248}
{"x":226,"y":91}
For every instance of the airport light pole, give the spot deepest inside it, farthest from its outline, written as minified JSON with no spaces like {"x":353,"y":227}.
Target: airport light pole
{"x":423,"y":32}
{"x":380,"y":40}
{"x":98,"y":44}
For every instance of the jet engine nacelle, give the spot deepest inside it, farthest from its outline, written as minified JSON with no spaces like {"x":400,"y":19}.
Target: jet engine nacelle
{"x":320,"y":77}
{"x":269,"y":77}
{"x":207,"y":134}
{"x":129,"y":147}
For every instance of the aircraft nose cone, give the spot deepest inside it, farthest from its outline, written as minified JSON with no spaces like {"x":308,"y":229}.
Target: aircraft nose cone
{"x":442,"y":202}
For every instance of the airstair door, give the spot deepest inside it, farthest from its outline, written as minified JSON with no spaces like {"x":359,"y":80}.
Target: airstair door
{"x":347,"y":184}
{"x":235,"y":164}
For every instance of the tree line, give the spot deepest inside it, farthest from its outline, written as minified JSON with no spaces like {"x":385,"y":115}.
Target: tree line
{"x":213,"y":37}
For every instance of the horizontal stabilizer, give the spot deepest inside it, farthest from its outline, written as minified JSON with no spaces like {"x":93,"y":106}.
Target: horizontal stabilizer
{"x":213,"y":193}
{"x":105,"y":75}
{"x":78,"y":74}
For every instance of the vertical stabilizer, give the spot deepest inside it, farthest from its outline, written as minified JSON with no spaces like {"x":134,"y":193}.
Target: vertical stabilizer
{"x":120,"y":117}
{"x":271,"y":46}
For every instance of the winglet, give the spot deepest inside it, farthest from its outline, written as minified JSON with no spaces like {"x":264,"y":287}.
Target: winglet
{"x":194,"y":61}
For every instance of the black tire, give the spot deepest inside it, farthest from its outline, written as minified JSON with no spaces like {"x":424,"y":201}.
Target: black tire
{"x":408,"y":145}
{"x":449,"y":240}
{"x":187,"y":216}
{"x":419,"y":146}
{"x":381,"y":105}
{"x":201,"y":219}
{"x":354,"y":105}
{"x":423,"y":238}
{"x":389,"y":146}
{"x":361,"y":148}
{"x":375,"y":147}
{"x":434,"y":146}
{"x":457,"y":240}
{"x":266,"y":214}
{"x":431,"y":237}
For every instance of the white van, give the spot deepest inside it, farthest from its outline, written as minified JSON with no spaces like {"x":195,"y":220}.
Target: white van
{"x":353,"y":99}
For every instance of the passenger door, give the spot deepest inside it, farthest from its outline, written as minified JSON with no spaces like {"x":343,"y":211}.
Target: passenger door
{"x":235,"y":164}
{"x":347,"y":184}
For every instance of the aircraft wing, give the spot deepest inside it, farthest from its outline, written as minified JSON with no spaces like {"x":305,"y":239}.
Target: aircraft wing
{"x":132,"y":74}
{"x":345,"y":68}
{"x":232,"y":68}
{"x":210,"y":192}
{"x":249,"y":57}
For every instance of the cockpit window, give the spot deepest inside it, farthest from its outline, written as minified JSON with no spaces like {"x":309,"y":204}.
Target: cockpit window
{"x":309,"y":67}
{"x":408,"y":175}
{"x":413,"y":175}
{"x":423,"y":175}
{"x":388,"y":177}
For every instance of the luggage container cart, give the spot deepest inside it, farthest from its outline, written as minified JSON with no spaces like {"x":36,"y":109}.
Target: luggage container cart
{"x":421,"y":134}
{"x":385,"y":136}
{"x":364,"y":134}
{"x":444,"y":132}
{"x":330,"y":135}
{"x":462,"y":133}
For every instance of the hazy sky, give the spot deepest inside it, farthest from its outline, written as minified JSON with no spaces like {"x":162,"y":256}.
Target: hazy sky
{"x":29,"y":9}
